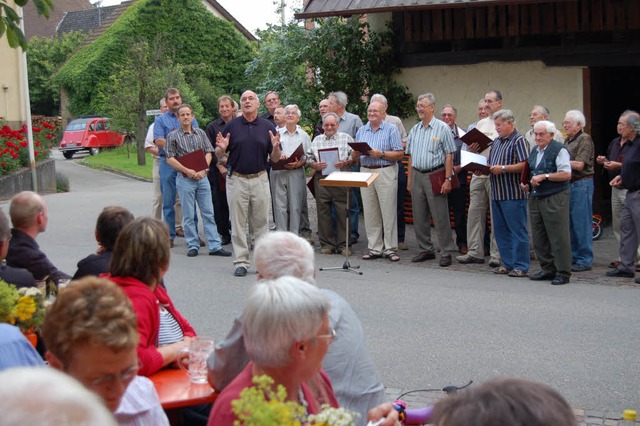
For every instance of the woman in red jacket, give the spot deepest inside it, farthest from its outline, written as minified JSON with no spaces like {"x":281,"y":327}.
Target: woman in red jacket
{"x":140,"y":260}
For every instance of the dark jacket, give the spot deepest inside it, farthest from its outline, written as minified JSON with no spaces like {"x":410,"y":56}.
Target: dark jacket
{"x":24,"y":252}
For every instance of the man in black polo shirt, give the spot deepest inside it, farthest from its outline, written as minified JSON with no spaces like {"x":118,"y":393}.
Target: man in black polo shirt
{"x":629,"y":178}
{"x":250,"y":141}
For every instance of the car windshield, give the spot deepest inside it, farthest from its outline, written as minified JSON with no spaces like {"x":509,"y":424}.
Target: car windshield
{"x":77,"y":125}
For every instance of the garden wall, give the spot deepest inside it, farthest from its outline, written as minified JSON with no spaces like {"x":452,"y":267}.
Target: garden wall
{"x":21,"y":180}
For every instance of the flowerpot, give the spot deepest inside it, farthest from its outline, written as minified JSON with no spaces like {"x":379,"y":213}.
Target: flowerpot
{"x":32,"y":338}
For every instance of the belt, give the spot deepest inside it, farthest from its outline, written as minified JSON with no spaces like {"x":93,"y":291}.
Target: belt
{"x":433,"y":169}
{"x":161,"y":155}
{"x":377,"y":167}
{"x":249,"y":176}
{"x":580,"y":178}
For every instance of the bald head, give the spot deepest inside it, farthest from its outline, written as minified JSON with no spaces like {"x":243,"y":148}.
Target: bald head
{"x":27,"y":211}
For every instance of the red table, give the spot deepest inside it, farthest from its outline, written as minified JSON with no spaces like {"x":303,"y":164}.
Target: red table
{"x":176,"y":390}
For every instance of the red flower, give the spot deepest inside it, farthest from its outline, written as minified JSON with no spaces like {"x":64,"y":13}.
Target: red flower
{"x":47,"y":125}
{"x":13,"y":155}
{"x":37,"y":143}
{"x":49,"y":137}
{"x":4,"y":164}
{"x":23,"y":144}
{"x":35,"y":153}
{"x":36,"y":129}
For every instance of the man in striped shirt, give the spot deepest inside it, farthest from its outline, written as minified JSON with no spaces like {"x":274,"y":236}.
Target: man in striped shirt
{"x":431,"y":147}
{"x":509,"y":152}
{"x":193,"y":185}
{"x":380,"y":199}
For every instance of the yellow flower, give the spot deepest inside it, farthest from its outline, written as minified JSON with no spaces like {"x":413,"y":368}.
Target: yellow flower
{"x":25,"y":308}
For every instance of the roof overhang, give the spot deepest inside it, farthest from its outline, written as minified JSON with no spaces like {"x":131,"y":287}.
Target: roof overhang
{"x":328,"y":8}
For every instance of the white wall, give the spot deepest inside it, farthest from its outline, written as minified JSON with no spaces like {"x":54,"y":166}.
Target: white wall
{"x":12,"y":104}
{"x":523,"y":84}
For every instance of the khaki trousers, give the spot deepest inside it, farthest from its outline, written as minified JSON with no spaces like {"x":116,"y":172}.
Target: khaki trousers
{"x":479,"y":204}
{"x":380,"y":210}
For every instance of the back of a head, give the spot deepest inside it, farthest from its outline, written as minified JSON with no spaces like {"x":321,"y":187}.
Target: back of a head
{"x":90,"y":311}
{"x":24,"y":208}
{"x":142,"y":250}
{"x":277,"y":314}
{"x":5,"y":229}
{"x":47,"y":397}
{"x":110,"y":222}
{"x":505,"y":402}
{"x":278,"y":254}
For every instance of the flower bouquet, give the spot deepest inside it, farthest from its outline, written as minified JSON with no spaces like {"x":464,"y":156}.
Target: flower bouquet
{"x":260,"y":405}
{"x":24,"y":307}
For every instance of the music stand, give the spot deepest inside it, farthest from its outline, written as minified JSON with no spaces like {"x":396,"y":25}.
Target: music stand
{"x":348,"y":180}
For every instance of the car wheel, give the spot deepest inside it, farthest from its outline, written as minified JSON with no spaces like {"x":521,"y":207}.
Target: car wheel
{"x":94,"y":151}
{"x":68,"y":155}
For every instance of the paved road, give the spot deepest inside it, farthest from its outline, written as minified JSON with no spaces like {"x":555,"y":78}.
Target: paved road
{"x":427,"y":327}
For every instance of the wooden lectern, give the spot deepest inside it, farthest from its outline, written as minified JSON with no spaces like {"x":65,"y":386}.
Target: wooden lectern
{"x":348,"y":180}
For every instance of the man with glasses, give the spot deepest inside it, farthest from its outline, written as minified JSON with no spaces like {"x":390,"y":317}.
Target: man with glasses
{"x":91,"y":333}
{"x":431,"y":147}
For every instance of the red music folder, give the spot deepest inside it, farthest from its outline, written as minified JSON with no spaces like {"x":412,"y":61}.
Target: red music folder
{"x":437,"y":179}
{"x":194,"y":160}
{"x":295,"y":156}
{"x":476,"y":136}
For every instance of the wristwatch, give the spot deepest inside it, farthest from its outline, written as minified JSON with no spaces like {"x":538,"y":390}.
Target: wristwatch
{"x":504,"y":168}
{"x":382,"y":155}
{"x":449,"y":178}
{"x":547,"y":176}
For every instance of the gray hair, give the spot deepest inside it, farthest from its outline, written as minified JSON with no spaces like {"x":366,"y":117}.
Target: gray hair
{"x":280,"y":253}
{"x":549,"y":127}
{"x":504,"y":115}
{"x":279,"y":313}
{"x":577,"y":117}
{"x":429,"y":97}
{"x":455,"y":110}
{"x":340,"y":98}
{"x":332,"y":114}
{"x":58,"y":399}
{"x":543,"y":108}
{"x":5,"y":229}
{"x":633,"y":120}
{"x":295,"y":108}
{"x":379,"y":98}
{"x":163,"y":101}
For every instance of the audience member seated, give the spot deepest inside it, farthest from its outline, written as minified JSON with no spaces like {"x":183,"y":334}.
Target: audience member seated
{"x":16,"y":276}
{"x":15,"y":349}
{"x":348,"y":363}
{"x":287,"y":334}
{"x":28,"y":214}
{"x":46,"y":397}
{"x":90,"y":334}
{"x":505,"y":401}
{"x":140,"y":260}
{"x":109,"y":224}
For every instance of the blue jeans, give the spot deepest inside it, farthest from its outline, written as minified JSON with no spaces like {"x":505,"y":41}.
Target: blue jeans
{"x":580,"y":214}
{"x":168,"y":189}
{"x":512,"y":237}
{"x":192,"y":191}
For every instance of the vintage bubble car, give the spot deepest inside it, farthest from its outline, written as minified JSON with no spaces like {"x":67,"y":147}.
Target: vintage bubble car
{"x":89,"y":134}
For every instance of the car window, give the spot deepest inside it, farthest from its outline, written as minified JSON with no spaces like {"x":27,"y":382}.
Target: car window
{"x":92,"y":127}
{"x":100,"y":126}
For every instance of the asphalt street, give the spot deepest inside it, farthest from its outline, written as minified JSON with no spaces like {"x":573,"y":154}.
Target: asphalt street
{"x":427,"y":327}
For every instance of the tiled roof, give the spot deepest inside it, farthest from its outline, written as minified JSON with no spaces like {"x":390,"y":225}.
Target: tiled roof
{"x":35,"y":25}
{"x":324,"y":8}
{"x":84,"y":20}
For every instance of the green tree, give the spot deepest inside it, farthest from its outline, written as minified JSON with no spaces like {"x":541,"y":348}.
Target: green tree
{"x":305,"y":65}
{"x":10,"y":20}
{"x":44,"y":57}
{"x":138,"y":83}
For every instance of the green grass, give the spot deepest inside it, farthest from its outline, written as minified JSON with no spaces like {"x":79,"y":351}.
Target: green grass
{"x":124,"y":159}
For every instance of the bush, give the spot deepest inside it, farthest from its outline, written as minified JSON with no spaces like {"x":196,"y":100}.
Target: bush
{"x":14,"y":147}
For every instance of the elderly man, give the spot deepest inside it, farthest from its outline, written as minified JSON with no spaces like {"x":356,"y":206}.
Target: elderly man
{"x":271,"y":101}
{"x":628,"y":127}
{"x":347,"y":363}
{"x":332,"y":239}
{"x":91,"y":334}
{"x":580,"y":148}
{"x":509,"y":152}
{"x":350,"y":124}
{"x":430,"y":145}
{"x":380,"y":199}
{"x":323,"y":107}
{"x":480,"y":195}
{"x":162,"y":126}
{"x":287,"y":333}
{"x":402,"y":173}
{"x":17,"y":276}
{"x":218,"y":170}
{"x":29,"y":217}
{"x":192,"y":185}
{"x":152,"y":149}
{"x":250,"y":141}
{"x":288,"y":185}
{"x":629,"y":179}
{"x":548,"y":185}
{"x":538,"y":113}
{"x":458,"y":196}
{"x":482,"y":111}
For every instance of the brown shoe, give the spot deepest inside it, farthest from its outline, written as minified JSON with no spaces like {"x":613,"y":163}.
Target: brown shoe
{"x":171,"y":243}
{"x":445,"y":260}
{"x":614,"y":264}
{"x":202,"y":243}
{"x":463,"y":250}
{"x":179,"y":233}
{"x":422,"y":256}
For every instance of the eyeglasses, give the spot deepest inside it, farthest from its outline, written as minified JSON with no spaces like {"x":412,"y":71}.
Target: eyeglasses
{"x":330,"y":336}
{"x":124,"y":377}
